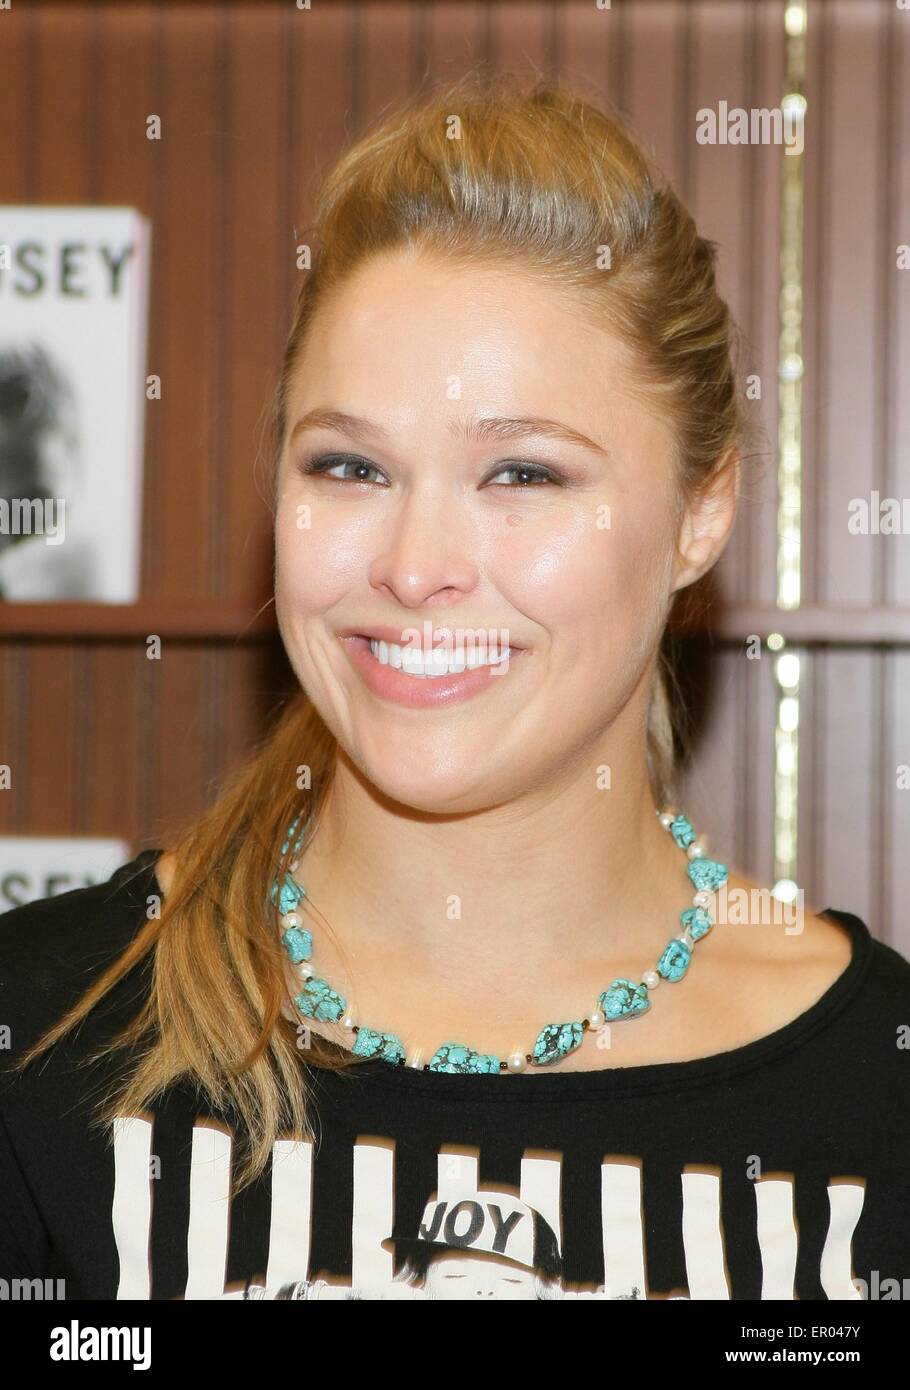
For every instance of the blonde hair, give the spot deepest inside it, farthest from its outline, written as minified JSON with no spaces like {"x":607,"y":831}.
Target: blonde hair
{"x":541,"y":179}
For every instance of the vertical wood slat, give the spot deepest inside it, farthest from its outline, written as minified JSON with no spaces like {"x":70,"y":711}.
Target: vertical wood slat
{"x":18,"y":158}
{"x":258,"y":266}
{"x":47,"y":776}
{"x":520,"y":37}
{"x":186,"y":291}
{"x":893,"y":924}
{"x":389,"y":40}
{"x":452,"y":36}
{"x":114,"y":768}
{"x":14,"y":706}
{"x":60,"y":103}
{"x":844,"y":219}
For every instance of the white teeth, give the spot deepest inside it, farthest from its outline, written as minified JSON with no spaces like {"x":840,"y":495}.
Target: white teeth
{"x":414,"y":661}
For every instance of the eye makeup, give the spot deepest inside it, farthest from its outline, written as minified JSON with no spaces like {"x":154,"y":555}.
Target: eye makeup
{"x":537,"y":475}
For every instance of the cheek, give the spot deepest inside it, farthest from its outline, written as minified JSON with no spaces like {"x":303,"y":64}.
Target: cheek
{"x":584,"y":579}
{"x":315,"y":561}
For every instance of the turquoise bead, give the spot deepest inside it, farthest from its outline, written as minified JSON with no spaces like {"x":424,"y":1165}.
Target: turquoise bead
{"x":674,"y":960}
{"x":707,"y":873}
{"x":682,"y":832}
{"x":289,"y":895}
{"x":556,"y":1041}
{"x":298,"y":944}
{"x":318,"y":1000}
{"x":485,"y":1063}
{"x":385,"y":1045}
{"x":457,"y":1057}
{"x":624,"y":999}
{"x":696,"y":922}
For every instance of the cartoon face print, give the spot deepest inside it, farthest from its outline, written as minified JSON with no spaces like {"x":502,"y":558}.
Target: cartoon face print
{"x":460,"y":1274}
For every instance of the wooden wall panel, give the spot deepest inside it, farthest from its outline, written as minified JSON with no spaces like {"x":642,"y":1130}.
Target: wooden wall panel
{"x":256,"y":268}
{"x":897,"y":432}
{"x":60,"y":100}
{"x":452,"y":36}
{"x":520,"y":37}
{"x":17,"y":157}
{"x":894,"y":803}
{"x":854,"y":820}
{"x":112,"y":736}
{"x":47,"y":772}
{"x":843,"y":246}
{"x":672,"y":61}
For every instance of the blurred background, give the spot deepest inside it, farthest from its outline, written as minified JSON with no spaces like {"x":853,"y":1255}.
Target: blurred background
{"x":157,"y":173}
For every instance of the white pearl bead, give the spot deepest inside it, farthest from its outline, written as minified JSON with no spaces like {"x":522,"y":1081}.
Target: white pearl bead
{"x":597,"y":1019}
{"x":415,"y":1063}
{"x":666,"y":819}
{"x":306,"y":970}
{"x":294,"y":865}
{"x":291,"y":919}
{"x":347,"y":1021}
{"x":695,"y":850}
{"x":702,"y":898}
{"x":651,"y":979}
{"x":517,"y":1062}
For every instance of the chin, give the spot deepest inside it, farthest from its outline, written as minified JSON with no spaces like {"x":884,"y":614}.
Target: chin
{"x":437,"y":793}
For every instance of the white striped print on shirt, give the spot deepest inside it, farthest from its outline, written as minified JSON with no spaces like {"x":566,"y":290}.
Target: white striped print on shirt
{"x":460,"y":1207}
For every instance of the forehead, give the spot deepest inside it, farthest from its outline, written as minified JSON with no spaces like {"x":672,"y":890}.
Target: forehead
{"x":408,"y":333}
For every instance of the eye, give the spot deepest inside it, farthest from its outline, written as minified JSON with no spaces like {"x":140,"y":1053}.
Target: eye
{"x":528,"y":474}
{"x":532,"y":474}
{"x":325,"y":463}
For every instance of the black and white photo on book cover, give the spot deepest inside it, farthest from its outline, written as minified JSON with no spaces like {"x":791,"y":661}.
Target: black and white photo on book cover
{"x":73,"y":319}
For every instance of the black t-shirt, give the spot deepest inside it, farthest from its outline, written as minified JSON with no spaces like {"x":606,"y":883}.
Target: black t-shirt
{"x":775,"y":1170}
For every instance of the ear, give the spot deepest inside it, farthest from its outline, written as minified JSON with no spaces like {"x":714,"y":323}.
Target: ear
{"x":708,"y":521}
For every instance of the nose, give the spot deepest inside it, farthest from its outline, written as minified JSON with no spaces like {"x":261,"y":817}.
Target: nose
{"x":425,"y":556}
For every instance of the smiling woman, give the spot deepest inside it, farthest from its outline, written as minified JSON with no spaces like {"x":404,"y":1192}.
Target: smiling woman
{"x":451,"y":898}
{"x":415,"y":499}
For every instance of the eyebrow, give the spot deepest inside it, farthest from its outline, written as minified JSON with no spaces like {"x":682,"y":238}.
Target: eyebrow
{"x":500,"y":427}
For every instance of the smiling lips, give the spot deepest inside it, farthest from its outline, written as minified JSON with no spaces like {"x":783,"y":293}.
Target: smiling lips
{"x":403,"y":634}
{"x":417,"y":676}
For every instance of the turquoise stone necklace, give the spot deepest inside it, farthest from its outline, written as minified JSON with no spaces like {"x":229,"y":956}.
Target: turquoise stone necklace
{"x":620,"y":1000}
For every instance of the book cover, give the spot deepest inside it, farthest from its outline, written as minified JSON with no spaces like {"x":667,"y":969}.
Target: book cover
{"x":73,"y":323}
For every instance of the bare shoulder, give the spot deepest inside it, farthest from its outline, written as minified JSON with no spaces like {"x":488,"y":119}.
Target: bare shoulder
{"x":757,"y":970}
{"x":791,"y":954}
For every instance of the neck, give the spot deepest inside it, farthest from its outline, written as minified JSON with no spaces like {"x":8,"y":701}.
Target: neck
{"x":571,"y":874}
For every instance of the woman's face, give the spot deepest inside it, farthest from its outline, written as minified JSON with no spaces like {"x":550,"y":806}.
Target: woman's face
{"x":424,"y":523}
